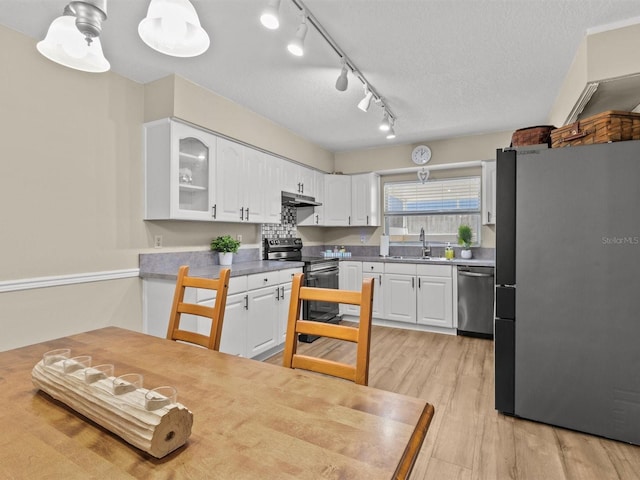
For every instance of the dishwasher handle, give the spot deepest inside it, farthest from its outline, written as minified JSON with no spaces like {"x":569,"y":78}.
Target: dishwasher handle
{"x":464,"y":273}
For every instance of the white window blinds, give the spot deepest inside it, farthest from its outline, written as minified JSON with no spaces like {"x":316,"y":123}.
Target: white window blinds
{"x":456,"y":195}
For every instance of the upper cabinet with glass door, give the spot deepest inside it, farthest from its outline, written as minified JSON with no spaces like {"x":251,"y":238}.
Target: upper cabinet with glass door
{"x":180,"y":165}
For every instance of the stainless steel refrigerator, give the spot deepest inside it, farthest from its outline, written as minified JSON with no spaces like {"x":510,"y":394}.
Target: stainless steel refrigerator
{"x":567,"y":328}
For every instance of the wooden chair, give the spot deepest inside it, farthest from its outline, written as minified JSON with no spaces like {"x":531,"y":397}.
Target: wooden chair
{"x":216,"y":313}
{"x":360,"y":334}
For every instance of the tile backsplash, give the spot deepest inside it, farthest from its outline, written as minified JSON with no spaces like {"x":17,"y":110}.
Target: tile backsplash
{"x":287,"y":228}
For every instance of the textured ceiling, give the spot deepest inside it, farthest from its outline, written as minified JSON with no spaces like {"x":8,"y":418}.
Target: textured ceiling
{"x":446,"y":68}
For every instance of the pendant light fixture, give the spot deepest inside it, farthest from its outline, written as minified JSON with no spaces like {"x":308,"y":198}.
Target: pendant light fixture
{"x":172,"y":27}
{"x":269,"y":17}
{"x":296,"y":45}
{"x":366,"y":101}
{"x":343,"y":82}
{"x":73,"y":39}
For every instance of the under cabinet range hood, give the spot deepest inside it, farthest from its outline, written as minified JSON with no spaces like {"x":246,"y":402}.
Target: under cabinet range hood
{"x":298,"y":200}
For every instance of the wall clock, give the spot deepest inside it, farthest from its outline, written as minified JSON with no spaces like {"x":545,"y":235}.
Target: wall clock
{"x":421,"y":155}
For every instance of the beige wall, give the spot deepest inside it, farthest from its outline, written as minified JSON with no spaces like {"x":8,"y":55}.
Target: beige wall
{"x":601,"y":56}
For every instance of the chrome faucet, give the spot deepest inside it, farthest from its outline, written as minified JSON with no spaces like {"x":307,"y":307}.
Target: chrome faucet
{"x":426,"y":249}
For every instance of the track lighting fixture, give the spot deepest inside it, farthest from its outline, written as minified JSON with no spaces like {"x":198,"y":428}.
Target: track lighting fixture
{"x":366,"y":101}
{"x":172,"y":27}
{"x":73,"y":39}
{"x":269,"y":17}
{"x":385,"y":125}
{"x":296,"y":46}
{"x":342,"y":82}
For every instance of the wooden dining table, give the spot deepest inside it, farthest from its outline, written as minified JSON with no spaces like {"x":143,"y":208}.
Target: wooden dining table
{"x":251,"y":420}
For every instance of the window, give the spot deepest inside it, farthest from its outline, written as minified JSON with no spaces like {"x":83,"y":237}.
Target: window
{"x":438,"y":206}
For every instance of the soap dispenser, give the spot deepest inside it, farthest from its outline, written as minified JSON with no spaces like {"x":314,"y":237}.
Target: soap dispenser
{"x":448,"y":252}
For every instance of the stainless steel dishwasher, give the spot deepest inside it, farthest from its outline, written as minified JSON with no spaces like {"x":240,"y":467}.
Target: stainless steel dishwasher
{"x":475,"y":301}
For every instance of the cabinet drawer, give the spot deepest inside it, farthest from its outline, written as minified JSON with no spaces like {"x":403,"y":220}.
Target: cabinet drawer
{"x":372,"y":267}
{"x":266,"y":279}
{"x":236,"y":285}
{"x":435,"y":270}
{"x":401,"y":268}
{"x":285,"y":276}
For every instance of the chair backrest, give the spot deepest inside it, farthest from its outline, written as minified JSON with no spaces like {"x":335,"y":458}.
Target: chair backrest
{"x":216,"y":313}
{"x":360,"y":334}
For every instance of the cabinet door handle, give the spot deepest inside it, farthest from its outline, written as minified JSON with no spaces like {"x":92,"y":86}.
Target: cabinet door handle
{"x":349,"y":219}
{"x":214,"y":211}
{"x":242,"y":213}
{"x":413,"y":282}
{"x":419,"y":282}
{"x":247,"y":213}
{"x":367,"y":219}
{"x":379,"y":279}
{"x":302,"y":186}
{"x":282,"y":294}
{"x":317,"y":219}
{"x":277,"y":293}
{"x":489,"y":217}
{"x":246,"y":302}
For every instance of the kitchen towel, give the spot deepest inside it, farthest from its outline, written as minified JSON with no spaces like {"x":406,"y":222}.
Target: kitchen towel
{"x":384,"y":246}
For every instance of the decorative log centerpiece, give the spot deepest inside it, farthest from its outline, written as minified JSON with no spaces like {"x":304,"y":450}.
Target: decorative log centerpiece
{"x":150,"y":420}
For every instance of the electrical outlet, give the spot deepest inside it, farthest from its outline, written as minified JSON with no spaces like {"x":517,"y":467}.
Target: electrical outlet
{"x":239,"y":237}
{"x":362,"y":238}
{"x":157,"y":241}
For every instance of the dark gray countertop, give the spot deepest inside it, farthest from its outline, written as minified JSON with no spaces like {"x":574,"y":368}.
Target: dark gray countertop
{"x":482,"y":262}
{"x":169,"y":272}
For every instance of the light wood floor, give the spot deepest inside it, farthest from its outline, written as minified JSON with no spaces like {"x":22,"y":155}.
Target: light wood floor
{"x":468,"y":439}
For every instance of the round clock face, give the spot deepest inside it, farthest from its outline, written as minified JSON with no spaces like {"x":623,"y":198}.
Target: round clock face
{"x":421,"y":155}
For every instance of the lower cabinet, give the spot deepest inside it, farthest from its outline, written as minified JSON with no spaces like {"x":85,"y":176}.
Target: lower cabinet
{"x":408,"y":293}
{"x":350,"y":278}
{"x":435,"y":297}
{"x":255,"y":318}
{"x":375,"y":270}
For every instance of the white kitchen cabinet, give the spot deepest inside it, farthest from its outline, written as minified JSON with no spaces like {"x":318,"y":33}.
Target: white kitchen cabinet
{"x":313,"y":216}
{"x":298,"y":179}
{"x":350,"y":278}
{"x":352,"y":200}
{"x":375,"y":270}
{"x":240,"y":186}
{"x":337,"y":200}
{"x":234,"y":327}
{"x":255,"y":314}
{"x":365,"y":199}
{"x":271,"y":185}
{"x":180,"y":169}
{"x":262,"y":329}
{"x":283,"y":298}
{"x":399,"y":284}
{"x":435,"y":295}
{"x":488,"y":192}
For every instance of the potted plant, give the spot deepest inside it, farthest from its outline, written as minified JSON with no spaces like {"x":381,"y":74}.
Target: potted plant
{"x":226,"y":247}
{"x":464,"y":238}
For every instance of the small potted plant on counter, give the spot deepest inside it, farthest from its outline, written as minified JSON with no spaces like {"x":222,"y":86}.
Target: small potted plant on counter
{"x":464,"y":239}
{"x":226,"y":247}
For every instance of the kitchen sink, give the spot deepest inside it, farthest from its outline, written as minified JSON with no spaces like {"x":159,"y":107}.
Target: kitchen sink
{"x":416,"y":259}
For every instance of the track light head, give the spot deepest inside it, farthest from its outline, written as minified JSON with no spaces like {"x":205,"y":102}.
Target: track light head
{"x":343,"y":81}
{"x":385,"y":125}
{"x":269,"y":17}
{"x":391,"y":134}
{"x":296,"y":46}
{"x":366,"y":101}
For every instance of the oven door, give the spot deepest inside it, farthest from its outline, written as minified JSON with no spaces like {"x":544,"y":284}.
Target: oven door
{"x":321,"y":311}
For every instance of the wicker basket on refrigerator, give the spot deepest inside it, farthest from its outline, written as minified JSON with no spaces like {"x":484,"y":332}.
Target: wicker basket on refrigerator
{"x":605,"y":127}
